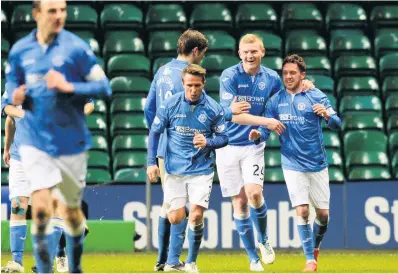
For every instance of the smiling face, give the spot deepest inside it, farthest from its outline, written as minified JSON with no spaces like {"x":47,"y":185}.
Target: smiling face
{"x":251,"y":50}
{"x":50,"y":16}
{"x":292,"y":77}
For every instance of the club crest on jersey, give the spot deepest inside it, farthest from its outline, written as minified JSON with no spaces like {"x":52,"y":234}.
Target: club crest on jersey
{"x":261,"y":85}
{"x":301,"y":106}
{"x":57,"y":61}
{"x":202,"y":118}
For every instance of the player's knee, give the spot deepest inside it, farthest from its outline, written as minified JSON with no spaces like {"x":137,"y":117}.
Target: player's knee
{"x":303,"y":211}
{"x":74,"y":217}
{"x":196,"y":217}
{"x":240,"y":205}
{"x":41,"y":214}
{"x":323,"y":218}
{"x":175,"y":219}
{"x":255,"y":197}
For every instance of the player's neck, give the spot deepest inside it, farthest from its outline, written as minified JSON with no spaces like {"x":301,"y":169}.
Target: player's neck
{"x":251,"y":72}
{"x":186,"y":58}
{"x":294,"y":91}
{"x":44,"y":38}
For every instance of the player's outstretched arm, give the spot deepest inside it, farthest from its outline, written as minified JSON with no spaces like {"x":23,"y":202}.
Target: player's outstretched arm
{"x":10,"y":110}
{"x":153,"y":171}
{"x":8,"y":139}
{"x":325,"y":109}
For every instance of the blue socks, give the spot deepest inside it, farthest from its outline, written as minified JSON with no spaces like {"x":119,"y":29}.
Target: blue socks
{"x":74,"y":247}
{"x":195,"y":235}
{"x":177,"y":238}
{"x":319,"y":231}
{"x":17,"y":239}
{"x":245,"y":228}
{"x":42,"y":239}
{"x":305,"y":233}
{"x":163,"y":236}
{"x":259,"y":219}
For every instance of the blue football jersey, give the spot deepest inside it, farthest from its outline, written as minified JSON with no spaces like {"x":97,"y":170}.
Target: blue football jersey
{"x":256,"y":90}
{"x":55,"y":121}
{"x":181,"y":120}
{"x":302,"y":145}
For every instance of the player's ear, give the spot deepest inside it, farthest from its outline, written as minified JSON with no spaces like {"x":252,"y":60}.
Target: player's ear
{"x":303,"y":74}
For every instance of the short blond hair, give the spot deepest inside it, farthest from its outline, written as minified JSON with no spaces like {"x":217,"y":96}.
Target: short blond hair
{"x":196,"y":70}
{"x":251,"y":39}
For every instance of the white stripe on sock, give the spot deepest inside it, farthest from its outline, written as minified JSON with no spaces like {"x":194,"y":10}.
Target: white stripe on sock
{"x":17,"y":222}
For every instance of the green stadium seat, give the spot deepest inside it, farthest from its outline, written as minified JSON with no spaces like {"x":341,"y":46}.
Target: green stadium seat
{"x":331,"y":140}
{"x":355,"y":66}
{"x":117,"y":45}
{"x":335,"y":33}
{"x":121,"y":34}
{"x":364,"y":140}
{"x":99,"y":143}
{"x":393,"y":142}
{"x":392,"y":105}
{"x":165,"y":16}
{"x":211,"y":16}
{"x":81,"y":17}
{"x":215,"y":96}
{"x":305,"y":43}
{"x":301,"y":15}
{"x":318,"y":65}
{"x":4,"y":22}
{"x":369,"y":173}
{"x":349,"y":45}
{"x":159,"y":62}
{"x":361,"y":85}
{"x":97,"y":124}
{"x":128,"y":65}
{"x":345,"y":15}
{"x":101,"y":62}
{"x":394,"y":163}
{"x":128,"y":124}
{"x":334,"y":158}
{"x":272,"y":158}
{"x":130,"y":85}
{"x":163,"y":43}
{"x":385,"y":44}
{"x":360,"y":105}
{"x":388,"y":65}
{"x":392,"y":123}
{"x":121,"y":16}
{"x":22,"y":18}
{"x":94,"y":45}
{"x":336,"y":175}
{"x":332,"y":100}
{"x":84,"y":34}
{"x":256,"y":15}
{"x":272,"y":42}
{"x":128,"y":160}
{"x":3,"y":85}
{"x":98,"y":159}
{"x":212,"y":84}
{"x":366,"y":158}
{"x":129,"y":143}
{"x":119,"y":105}
{"x":390,"y":86}
{"x":273,"y":62}
{"x":97,"y":176}
{"x":220,"y":42}
{"x":273,"y":175}
{"x":354,"y":121}
{"x":324,"y":83}
{"x":100,"y":107}
{"x":216,"y":63}
{"x":4,"y":177}
{"x":384,"y":16}
{"x":5,"y":47}
{"x":273,"y":142}
{"x":130,"y":175}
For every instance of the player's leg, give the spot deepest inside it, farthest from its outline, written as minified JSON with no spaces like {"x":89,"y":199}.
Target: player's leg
{"x":59,"y":250}
{"x":298,"y":184}
{"x":19,"y":196}
{"x":69,"y":194}
{"x":43,"y":175}
{"x":320,"y":196}
{"x":199,"y":190}
{"x":163,"y":227}
{"x":253,"y":177}
{"x":175,"y":200}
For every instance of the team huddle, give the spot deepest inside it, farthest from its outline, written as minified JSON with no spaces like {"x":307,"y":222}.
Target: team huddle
{"x":51,"y":82}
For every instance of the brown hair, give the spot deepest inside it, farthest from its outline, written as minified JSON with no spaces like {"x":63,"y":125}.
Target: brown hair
{"x":295,"y":59}
{"x":196,"y":70}
{"x":36,"y":4}
{"x":191,"y":39}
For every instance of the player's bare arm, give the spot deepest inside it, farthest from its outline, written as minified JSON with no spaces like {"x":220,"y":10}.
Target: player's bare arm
{"x":254,"y":134}
{"x":88,"y":108}
{"x":14,"y":111}
{"x":251,"y":120}
{"x":239,"y":107}
{"x":18,"y":97}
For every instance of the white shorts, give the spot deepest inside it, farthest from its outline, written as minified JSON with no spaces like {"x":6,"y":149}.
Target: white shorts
{"x":17,"y":182}
{"x":238,"y":166}
{"x":68,"y":173}
{"x":179,"y":190}
{"x":306,"y":187}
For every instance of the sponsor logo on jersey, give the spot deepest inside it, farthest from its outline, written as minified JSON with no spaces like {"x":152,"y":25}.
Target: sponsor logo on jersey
{"x":181,"y":116}
{"x":28,"y":62}
{"x":291,"y":118}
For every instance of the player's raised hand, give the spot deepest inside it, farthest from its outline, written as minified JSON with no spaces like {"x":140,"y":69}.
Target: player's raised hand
{"x":254,"y":134}
{"x":307,"y":85}
{"x":239,"y":107}
{"x":18,"y":97}
{"x":320,"y":110}
{"x":56,"y":80}
{"x":276,"y":126}
{"x":153,"y":173}
{"x":199,"y":140}
{"x":6,"y":157}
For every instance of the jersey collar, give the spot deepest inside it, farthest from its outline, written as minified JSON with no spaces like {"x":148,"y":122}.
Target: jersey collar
{"x":202,"y":99}
{"x":56,"y":40}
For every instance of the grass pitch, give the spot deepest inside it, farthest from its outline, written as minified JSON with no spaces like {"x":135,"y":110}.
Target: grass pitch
{"x":330,"y":261}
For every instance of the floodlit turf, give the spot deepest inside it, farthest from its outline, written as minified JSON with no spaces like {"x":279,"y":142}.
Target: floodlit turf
{"x":233,"y":262}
